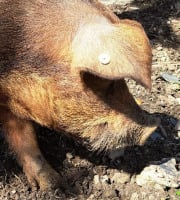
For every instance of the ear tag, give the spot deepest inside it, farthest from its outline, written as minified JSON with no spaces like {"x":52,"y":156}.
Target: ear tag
{"x":104,"y":58}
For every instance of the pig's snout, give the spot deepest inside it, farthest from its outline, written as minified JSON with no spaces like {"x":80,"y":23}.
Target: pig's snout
{"x":119,"y":131}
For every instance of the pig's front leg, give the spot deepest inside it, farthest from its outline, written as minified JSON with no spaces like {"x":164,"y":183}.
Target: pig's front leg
{"x":21,"y":137}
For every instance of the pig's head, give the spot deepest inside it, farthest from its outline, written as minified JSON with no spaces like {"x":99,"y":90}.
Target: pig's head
{"x":103,"y":55}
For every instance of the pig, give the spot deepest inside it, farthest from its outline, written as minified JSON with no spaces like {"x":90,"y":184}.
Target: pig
{"x":62,"y":66}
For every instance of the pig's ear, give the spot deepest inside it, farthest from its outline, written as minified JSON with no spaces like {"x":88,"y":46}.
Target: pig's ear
{"x":113,"y":51}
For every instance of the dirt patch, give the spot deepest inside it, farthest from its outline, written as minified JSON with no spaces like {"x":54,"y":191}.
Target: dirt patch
{"x":92,"y":176}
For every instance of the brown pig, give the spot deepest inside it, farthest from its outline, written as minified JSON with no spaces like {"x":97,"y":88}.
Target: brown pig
{"x":62,"y":65}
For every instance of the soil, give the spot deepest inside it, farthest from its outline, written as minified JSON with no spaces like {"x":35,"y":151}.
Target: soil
{"x":83,"y":169}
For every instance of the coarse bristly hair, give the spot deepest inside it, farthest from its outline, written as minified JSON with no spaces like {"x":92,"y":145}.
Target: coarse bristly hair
{"x":116,"y":133}
{"x":51,"y":73}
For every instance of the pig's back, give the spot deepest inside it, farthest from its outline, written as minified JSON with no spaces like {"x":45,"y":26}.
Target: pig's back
{"x":35,"y":32}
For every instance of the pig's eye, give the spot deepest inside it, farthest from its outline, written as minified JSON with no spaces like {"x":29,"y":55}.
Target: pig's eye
{"x":104,"y":58}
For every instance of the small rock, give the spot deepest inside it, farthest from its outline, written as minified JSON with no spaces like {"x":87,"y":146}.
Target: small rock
{"x":100,"y":179}
{"x":120,"y":178}
{"x":159,"y":48}
{"x":96,"y":179}
{"x":164,"y":174}
{"x":104,"y":179}
{"x":13,"y":191}
{"x":69,"y":156}
{"x":178,"y":100}
{"x":91,"y":197}
{"x":178,"y":134}
{"x":171,"y":99}
{"x":170,"y":78}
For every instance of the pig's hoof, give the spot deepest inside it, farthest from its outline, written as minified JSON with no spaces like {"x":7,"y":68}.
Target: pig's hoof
{"x":48,"y":179}
{"x":45,"y":178}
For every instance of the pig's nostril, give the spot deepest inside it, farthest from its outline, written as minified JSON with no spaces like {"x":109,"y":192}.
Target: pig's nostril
{"x":104,"y":58}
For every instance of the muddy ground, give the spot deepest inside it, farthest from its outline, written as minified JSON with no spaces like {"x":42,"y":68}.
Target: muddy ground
{"x":84,"y":170}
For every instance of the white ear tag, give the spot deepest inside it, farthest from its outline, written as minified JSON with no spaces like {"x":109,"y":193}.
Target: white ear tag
{"x":104,"y":58}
